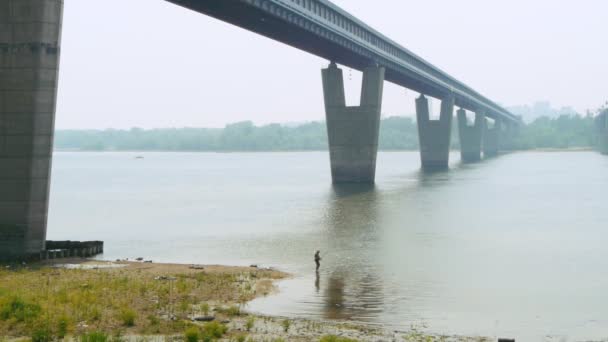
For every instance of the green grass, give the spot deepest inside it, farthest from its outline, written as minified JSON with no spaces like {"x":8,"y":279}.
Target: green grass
{"x":112,"y":300}
{"x":192,"y":334}
{"x":18,"y":309}
{"x":214,"y":330}
{"x":127,"y":317}
{"x":94,"y":336}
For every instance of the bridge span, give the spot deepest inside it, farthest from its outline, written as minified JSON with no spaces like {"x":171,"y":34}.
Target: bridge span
{"x":30,"y":32}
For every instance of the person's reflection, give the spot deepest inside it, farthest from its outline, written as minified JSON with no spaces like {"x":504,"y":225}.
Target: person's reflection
{"x":351,"y":227}
{"x":334,"y":298}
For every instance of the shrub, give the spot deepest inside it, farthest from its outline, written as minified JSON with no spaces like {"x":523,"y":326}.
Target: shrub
{"x":286,"y":324}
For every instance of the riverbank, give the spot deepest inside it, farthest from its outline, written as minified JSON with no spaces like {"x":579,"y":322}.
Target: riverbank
{"x":80,"y":299}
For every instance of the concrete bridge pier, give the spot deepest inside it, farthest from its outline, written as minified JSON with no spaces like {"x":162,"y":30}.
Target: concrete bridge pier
{"x":507,"y":136}
{"x":434,"y":135}
{"x":602,"y":129}
{"x":491,"y":139}
{"x":30,"y":33}
{"x":353,"y":131}
{"x":470,"y":136}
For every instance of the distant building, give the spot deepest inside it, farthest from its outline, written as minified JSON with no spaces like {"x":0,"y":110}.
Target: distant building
{"x":539,"y":109}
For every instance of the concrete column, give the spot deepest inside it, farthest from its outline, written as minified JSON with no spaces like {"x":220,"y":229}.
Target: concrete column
{"x":434,"y":135}
{"x":507,"y":134}
{"x":30,"y":34}
{"x":491,"y":139}
{"x":602,"y":129}
{"x":353,"y":131}
{"x":470,"y":136}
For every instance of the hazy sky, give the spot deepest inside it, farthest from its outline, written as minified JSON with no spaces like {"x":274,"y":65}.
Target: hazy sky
{"x":148,"y":63}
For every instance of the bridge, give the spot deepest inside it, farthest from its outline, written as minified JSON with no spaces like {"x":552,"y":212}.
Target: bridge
{"x":30,"y":46}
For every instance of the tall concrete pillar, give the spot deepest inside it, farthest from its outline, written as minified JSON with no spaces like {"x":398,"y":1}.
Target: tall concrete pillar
{"x":602,"y":122}
{"x":353,"y":131}
{"x":491,"y":139}
{"x":470,"y":136}
{"x":434,"y":135}
{"x":30,"y":34}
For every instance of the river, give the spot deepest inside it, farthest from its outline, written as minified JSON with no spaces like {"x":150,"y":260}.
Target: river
{"x":514,"y":246}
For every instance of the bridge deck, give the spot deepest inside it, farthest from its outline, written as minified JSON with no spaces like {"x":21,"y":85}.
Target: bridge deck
{"x":325,"y":30}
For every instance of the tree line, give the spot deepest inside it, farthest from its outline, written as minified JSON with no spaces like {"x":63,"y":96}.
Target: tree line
{"x":396,"y":133}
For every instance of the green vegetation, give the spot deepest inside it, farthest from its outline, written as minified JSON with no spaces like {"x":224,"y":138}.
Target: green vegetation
{"x":192,"y":334}
{"x":127,"y":317}
{"x":333,"y":338}
{"x":48,"y":304}
{"x":250,"y":323}
{"x":566,"y":131}
{"x":396,"y":133}
{"x":286,"y":324}
{"x":94,"y":336}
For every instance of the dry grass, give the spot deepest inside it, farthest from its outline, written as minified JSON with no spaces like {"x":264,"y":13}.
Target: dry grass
{"x":129,"y":300}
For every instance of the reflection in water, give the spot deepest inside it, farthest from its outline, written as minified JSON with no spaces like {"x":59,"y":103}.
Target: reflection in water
{"x":351,"y":229}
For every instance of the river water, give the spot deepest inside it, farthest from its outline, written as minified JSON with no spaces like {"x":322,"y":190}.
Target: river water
{"x":514,"y":246}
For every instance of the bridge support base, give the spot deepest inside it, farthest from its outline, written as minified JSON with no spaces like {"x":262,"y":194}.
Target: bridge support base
{"x":434,"y":135}
{"x":353,"y":131}
{"x":491,"y":139}
{"x":29,"y":57}
{"x":470,"y":137}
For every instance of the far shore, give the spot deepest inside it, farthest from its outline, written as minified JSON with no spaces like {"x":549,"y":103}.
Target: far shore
{"x":135,"y":301}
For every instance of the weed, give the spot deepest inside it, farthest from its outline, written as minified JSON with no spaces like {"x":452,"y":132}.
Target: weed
{"x":250,"y":323}
{"x":41,"y":335}
{"x":214,"y":330}
{"x":96,"y":336}
{"x":127,"y":317}
{"x":286,"y":324}
{"x":205,"y":308}
{"x":333,"y":338}
{"x":20,"y":310}
{"x":192,"y":334}
{"x":62,"y":327}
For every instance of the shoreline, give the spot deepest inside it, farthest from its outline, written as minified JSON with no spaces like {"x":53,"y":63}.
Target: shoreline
{"x":215,"y":296}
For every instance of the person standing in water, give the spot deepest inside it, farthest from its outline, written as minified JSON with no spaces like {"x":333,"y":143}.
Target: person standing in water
{"x":318,"y":259}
